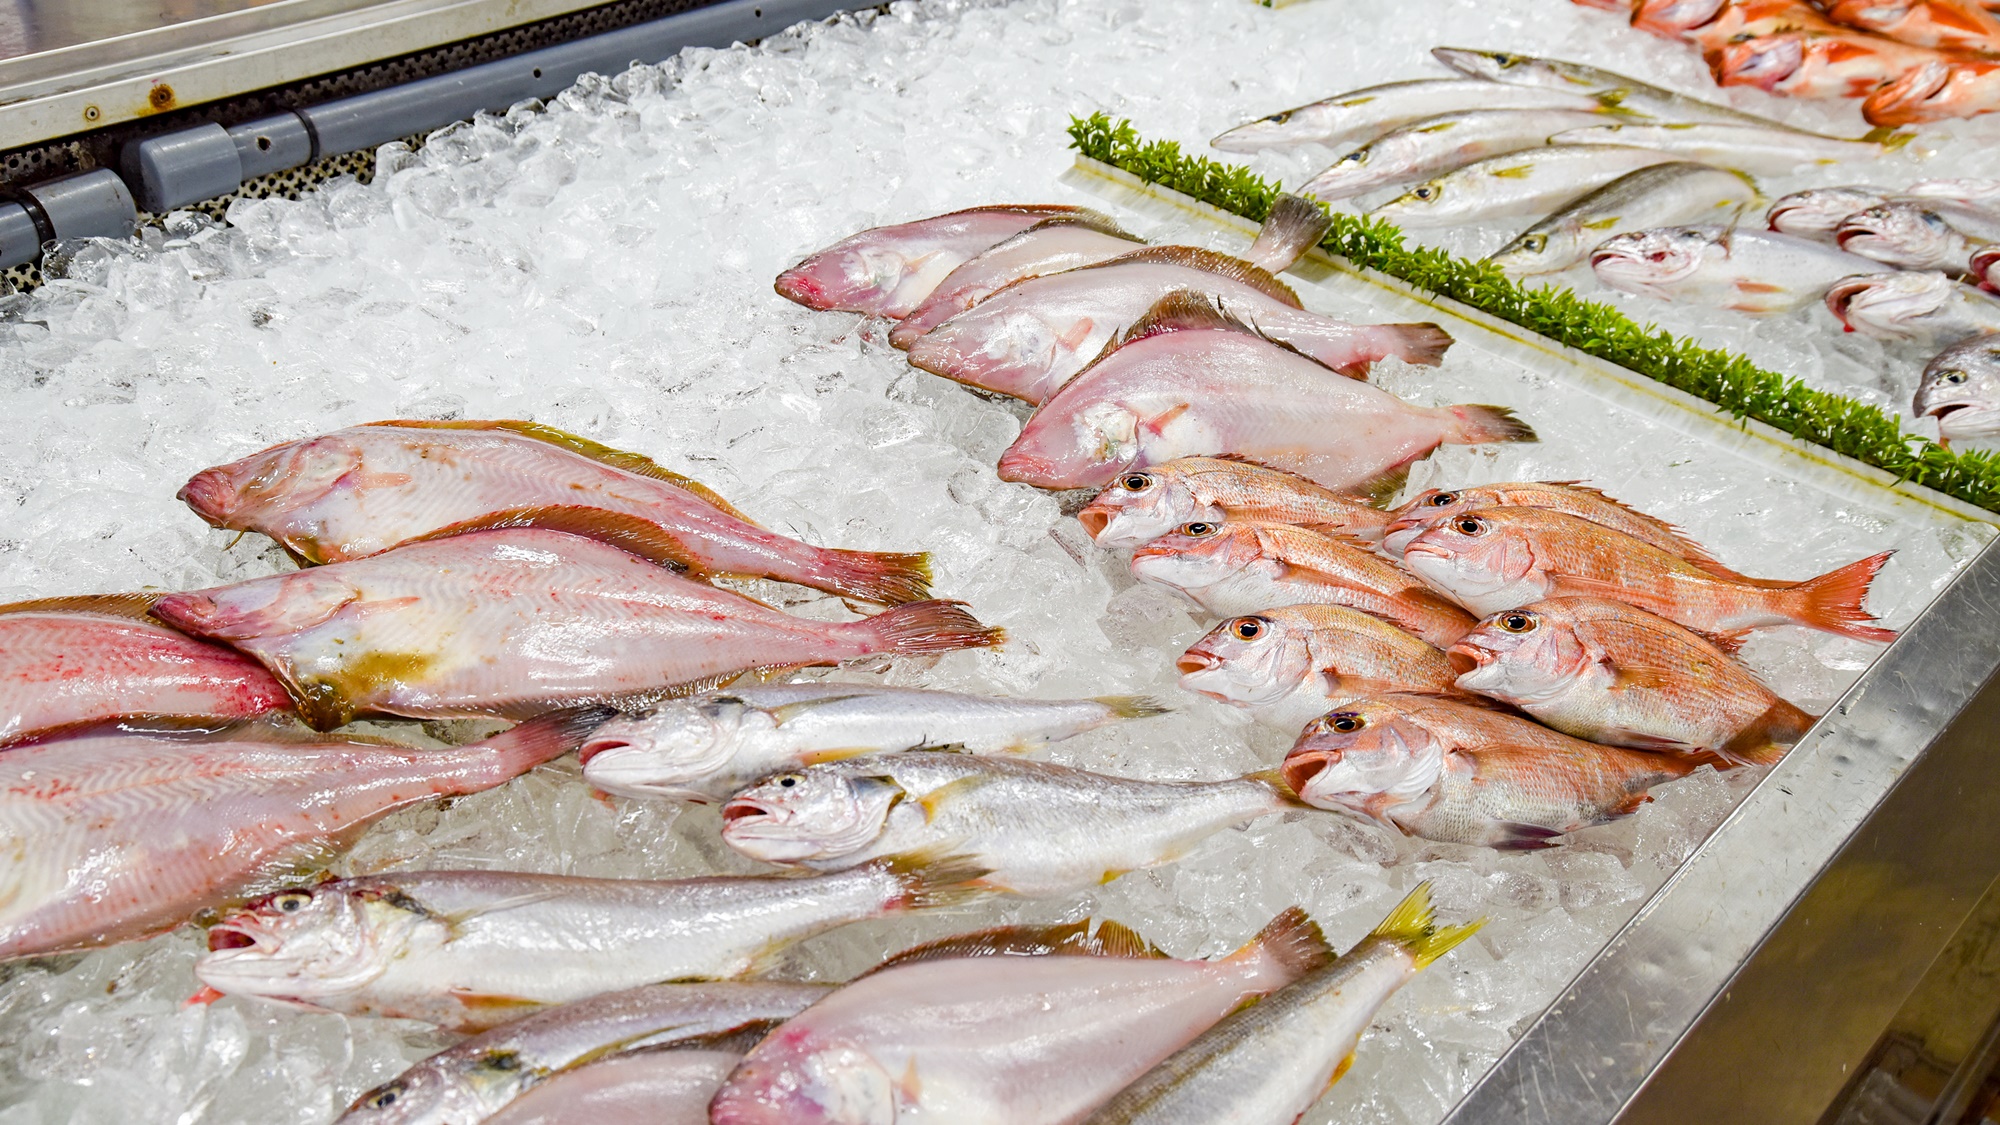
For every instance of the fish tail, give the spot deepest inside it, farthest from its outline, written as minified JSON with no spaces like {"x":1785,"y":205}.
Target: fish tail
{"x":1423,"y":343}
{"x":540,"y":739}
{"x":883,"y":577}
{"x":1294,"y":226}
{"x":918,"y":628}
{"x":1832,"y":601}
{"x":1133,"y":706}
{"x":1477,"y":425}
{"x":1292,"y":943}
{"x":930,"y":880}
{"x":1413,"y":925}
{"x":1763,"y":741}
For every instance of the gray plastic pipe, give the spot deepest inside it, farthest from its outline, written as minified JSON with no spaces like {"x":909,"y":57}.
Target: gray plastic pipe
{"x":85,"y":205}
{"x":175,"y":169}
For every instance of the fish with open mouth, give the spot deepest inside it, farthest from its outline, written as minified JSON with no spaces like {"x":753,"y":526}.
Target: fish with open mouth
{"x":886,"y":271}
{"x":1816,"y":213}
{"x":1614,"y":674}
{"x":1494,"y":559}
{"x":1142,"y":505}
{"x":1911,"y":236}
{"x":1458,"y":774}
{"x":1660,"y":195}
{"x":362,"y":490}
{"x":1748,"y":148}
{"x":712,"y":745}
{"x":469,"y":949}
{"x":1922,"y":305}
{"x":1238,"y":567}
{"x":1290,"y":664}
{"x":1024,"y":1024}
{"x":1528,"y":182}
{"x":1374,"y":110}
{"x":1961,"y":389}
{"x":94,"y":657}
{"x":1038,"y":829}
{"x":477,"y":1079}
{"x":666,"y":1087}
{"x":1441,"y":144}
{"x":1624,"y":92}
{"x":1760,"y":273}
{"x":1938,"y":90}
{"x":518,"y":621}
{"x":1835,"y":63}
{"x":1190,"y":379}
{"x":119,"y":833}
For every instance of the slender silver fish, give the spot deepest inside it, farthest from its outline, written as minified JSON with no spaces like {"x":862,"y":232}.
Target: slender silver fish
{"x":1617,"y":89}
{"x":1439,"y":144}
{"x":1661,"y":195}
{"x":1368,"y":112}
{"x":1921,"y":305}
{"x":1961,"y":389}
{"x":1528,"y":182}
{"x":1750,"y":148}
{"x":712,"y":745}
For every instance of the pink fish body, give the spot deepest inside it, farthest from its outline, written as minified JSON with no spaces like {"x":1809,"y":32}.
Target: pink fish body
{"x":886,"y":271}
{"x":1189,"y":381}
{"x":119,"y":834}
{"x":362,"y":490}
{"x":81,"y":660}
{"x":641,"y":1088}
{"x":518,"y":621}
{"x":1052,"y":246}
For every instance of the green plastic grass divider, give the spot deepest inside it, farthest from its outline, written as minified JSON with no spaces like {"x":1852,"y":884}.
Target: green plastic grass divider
{"x":1733,"y":383}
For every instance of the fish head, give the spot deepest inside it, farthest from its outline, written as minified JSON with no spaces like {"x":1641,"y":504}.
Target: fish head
{"x":1196,"y":554}
{"x":812,"y":814}
{"x":1899,"y":234}
{"x":1887,"y":306}
{"x":1985,"y":266}
{"x":665,"y":751}
{"x":1249,"y":661}
{"x":428,"y":1094}
{"x":1415,"y":201}
{"x":1494,"y":66}
{"x":1673,"y":17}
{"x":1004,"y":343}
{"x":1537,"y":251}
{"x":306,"y":945}
{"x":1353,"y":173}
{"x":1762,"y":61}
{"x":262,"y":607}
{"x":1961,"y":389}
{"x":1140,"y":506}
{"x":1366,"y":757}
{"x":1651,"y":262}
{"x":1520,"y":655}
{"x":1817,"y":212}
{"x":1079,"y":449}
{"x":858,"y":274}
{"x":793,"y":1079}
{"x":1273,"y":131}
{"x":1428,"y":509}
{"x":1477,"y":560}
{"x":261,"y":490}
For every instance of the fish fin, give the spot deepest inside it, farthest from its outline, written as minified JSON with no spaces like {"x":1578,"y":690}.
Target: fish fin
{"x":1514,"y":836}
{"x":1413,"y":925}
{"x":1073,"y":939}
{"x":543,"y":738}
{"x":1833,"y":600}
{"x":134,"y":606}
{"x":1422,"y":343}
{"x":1579,"y":586}
{"x":841,"y":754}
{"x":1209,"y":261}
{"x":1275,"y":778}
{"x":931,"y":879}
{"x":487,"y":1009}
{"x":1730,"y":642}
{"x":1380,"y":490}
{"x":917,"y":628}
{"x":204,"y":996}
{"x":785,"y":713}
{"x":1630,"y":678}
{"x":883,"y":577}
{"x":634,"y":534}
{"x":1158,"y":423}
{"x":636,"y":463}
{"x":1113,"y":939}
{"x":1690,"y":550}
{"x":933,"y":802}
{"x":1752,"y":746}
{"x":1888,"y":137}
{"x":1293,"y":226}
{"x":1479,"y":424}
{"x":1340,"y":1071}
{"x":1292,"y":940}
{"x":1093,"y":220}
{"x":1133,"y":706}
{"x":1746,"y":286}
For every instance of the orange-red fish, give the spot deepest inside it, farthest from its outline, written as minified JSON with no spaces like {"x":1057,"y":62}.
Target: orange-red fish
{"x":1290,"y":664}
{"x":1144,"y":504}
{"x":1936,"y":91}
{"x":1818,"y":64}
{"x":1959,"y":25}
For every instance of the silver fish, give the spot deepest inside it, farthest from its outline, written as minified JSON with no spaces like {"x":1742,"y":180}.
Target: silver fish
{"x":1528,"y":182}
{"x":1439,"y":144}
{"x":1961,"y":389}
{"x":1922,"y":305}
{"x":1576,"y":78}
{"x":1816,"y":213}
{"x":1039,"y":829}
{"x":1908,"y":236}
{"x":670,"y":1087}
{"x":1661,"y":195}
{"x":1750,"y":271}
{"x":712,"y":745}
{"x":470,"y":1082}
{"x":1374,"y":110}
{"x":1749,"y":148}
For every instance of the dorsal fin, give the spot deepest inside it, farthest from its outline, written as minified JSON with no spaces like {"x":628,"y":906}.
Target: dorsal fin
{"x":1092,"y":220}
{"x":133,"y":606}
{"x":635,"y":463}
{"x":1071,"y":940}
{"x":1209,"y":261}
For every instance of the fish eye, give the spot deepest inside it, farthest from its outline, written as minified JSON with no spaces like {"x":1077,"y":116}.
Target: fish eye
{"x":384,"y":1097}
{"x":1952,"y":377}
{"x":1346,"y":722}
{"x":790,"y":780}
{"x":1469,"y":526}
{"x":1248,"y":628}
{"x":291,"y":902}
{"x":1136,"y":482}
{"x":1443,"y":500}
{"x":1507,"y":62}
{"x":1535,"y":243}
{"x":1517,"y":623}
{"x":1198,"y":529}
{"x":1426,"y":192}
{"x":1280,"y":118}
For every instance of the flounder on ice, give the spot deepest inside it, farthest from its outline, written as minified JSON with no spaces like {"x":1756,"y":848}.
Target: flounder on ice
{"x":1013,"y":1025}
{"x":887,"y":271}
{"x":1446,"y":771}
{"x":360,"y":491}
{"x":518,"y":621}
{"x":1189,"y":379}
{"x":1291,"y":664}
{"x":119,"y":833}
{"x":1142,"y":505}
{"x":96,"y":657}
{"x":1039,"y":829}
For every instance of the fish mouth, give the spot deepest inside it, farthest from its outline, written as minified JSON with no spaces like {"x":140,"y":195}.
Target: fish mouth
{"x":745,"y":811}
{"x":1842,"y":293}
{"x":1945,"y":409}
{"x":210,"y":494}
{"x":1299,"y":770}
{"x":1192,"y":662}
{"x":239,"y":934}
{"x":1094,"y":519}
{"x":1025,"y":468}
{"x":1467,"y":658}
{"x":190,"y":613}
{"x":1983,"y":260}
{"x":797,"y":285}
{"x":596,"y":746}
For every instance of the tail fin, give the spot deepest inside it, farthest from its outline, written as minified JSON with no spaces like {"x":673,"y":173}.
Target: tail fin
{"x":932,"y":881}
{"x":926,"y":627}
{"x":1764,"y":740}
{"x":1294,"y":226}
{"x":1413,"y":926}
{"x":541,"y":739}
{"x":1478,"y":425}
{"x":1423,"y":344}
{"x":1292,"y":942}
{"x":883,"y":577}
{"x":1134,"y":706}
{"x":1832,"y":601}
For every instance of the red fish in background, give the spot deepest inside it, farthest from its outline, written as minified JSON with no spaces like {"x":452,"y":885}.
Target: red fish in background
{"x":1936,"y":91}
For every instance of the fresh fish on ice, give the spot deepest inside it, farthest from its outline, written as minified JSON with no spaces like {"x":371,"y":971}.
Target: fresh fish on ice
{"x":1749,"y":148}
{"x":1458,"y":774}
{"x":1610,"y":673}
{"x":467,"y":949}
{"x":1616,"y":89}
{"x":1143,"y":505}
{"x":517,"y":621}
{"x":1267,"y":1064}
{"x":670,"y":1087}
{"x":1751,"y":271}
{"x":120,"y":833}
{"x":1961,"y":389}
{"x":1189,"y":379}
{"x":1837,"y":63}
{"x":95,"y":657}
{"x":1039,"y":829}
{"x":1938,"y":90}
{"x":1239,"y":567}
{"x":360,"y":491}
{"x":887,"y":271}
{"x":1956,"y":25}
{"x":1440,"y":144}
{"x":1367,"y":113}
{"x":1033,"y":337}
{"x":476,"y":1079}
{"x":1922,"y":305}
{"x":1495,"y":559}
{"x":1290,"y":664}
{"x":1909,"y":236}
{"x":1051,"y":246}
{"x":1712,"y":25}
{"x":1528,"y":182}
{"x":1021,"y":1024}
{"x":714,"y":744}
{"x":1816,"y":213}
{"x":1660,"y":195}
{"x":1982,"y":196}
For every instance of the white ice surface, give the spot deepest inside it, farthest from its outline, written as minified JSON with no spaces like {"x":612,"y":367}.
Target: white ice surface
{"x":605,"y":265}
